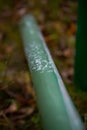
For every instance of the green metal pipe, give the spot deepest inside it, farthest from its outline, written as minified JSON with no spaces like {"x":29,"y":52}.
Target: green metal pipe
{"x":81,"y":47}
{"x":56,"y":108}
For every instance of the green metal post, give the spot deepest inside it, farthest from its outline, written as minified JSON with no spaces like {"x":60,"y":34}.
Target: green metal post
{"x":81,"y":47}
{"x":56,"y":108}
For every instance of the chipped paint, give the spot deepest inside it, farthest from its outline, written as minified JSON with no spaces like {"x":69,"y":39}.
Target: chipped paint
{"x":37,"y":59}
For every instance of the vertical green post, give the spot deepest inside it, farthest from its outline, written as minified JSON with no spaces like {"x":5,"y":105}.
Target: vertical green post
{"x":81,"y":47}
{"x":55,"y":106}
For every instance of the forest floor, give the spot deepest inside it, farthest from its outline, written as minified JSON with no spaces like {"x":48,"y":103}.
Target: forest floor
{"x":18,"y":109}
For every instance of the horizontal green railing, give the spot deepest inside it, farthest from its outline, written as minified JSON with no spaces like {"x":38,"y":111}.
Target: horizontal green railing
{"x":55,"y":106}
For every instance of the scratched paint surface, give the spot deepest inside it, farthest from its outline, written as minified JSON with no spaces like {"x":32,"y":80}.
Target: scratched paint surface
{"x":37,"y":59}
{"x":36,"y":55}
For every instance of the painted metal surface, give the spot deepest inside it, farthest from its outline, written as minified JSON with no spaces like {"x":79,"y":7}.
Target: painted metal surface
{"x":81,"y":47}
{"x":56,"y":108}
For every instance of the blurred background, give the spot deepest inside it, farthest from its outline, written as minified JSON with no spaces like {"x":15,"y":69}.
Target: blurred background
{"x":57,"y":20}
